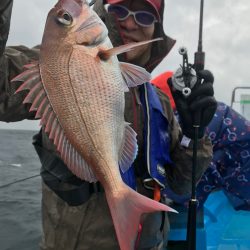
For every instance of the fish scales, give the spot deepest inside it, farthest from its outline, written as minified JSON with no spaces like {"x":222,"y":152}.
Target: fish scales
{"x":104,"y":97}
{"x":100,"y":114}
{"x":92,"y":120}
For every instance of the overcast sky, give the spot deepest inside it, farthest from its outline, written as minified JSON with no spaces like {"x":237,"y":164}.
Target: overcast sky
{"x":226,"y":38}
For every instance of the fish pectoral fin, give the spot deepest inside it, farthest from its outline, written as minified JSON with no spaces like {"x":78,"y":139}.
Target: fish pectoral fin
{"x":126,"y":209}
{"x":106,"y":54}
{"x":128,"y":150}
{"x":134,"y":75}
{"x":37,"y":96}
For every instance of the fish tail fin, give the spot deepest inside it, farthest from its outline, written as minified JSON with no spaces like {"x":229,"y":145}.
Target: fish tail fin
{"x":126,"y":208}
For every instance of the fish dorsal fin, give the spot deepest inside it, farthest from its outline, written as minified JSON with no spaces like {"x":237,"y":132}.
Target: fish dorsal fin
{"x":134,"y":75}
{"x":106,"y":54}
{"x":129,"y":148}
{"x":40,"y":103}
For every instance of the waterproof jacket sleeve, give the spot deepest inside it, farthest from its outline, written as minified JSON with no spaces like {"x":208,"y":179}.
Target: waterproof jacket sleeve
{"x":5,"y":15}
{"x":179,"y":174}
{"x":12,"y":60}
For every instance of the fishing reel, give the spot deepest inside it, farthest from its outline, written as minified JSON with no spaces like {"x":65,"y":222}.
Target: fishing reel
{"x":184,"y":78}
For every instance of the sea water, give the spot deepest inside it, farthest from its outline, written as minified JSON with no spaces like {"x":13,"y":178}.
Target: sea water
{"x":20,"y":196}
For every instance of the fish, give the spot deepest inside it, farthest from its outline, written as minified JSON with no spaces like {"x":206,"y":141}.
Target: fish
{"x":76,"y":89}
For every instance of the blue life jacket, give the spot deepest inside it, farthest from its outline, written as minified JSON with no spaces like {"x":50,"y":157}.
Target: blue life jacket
{"x":155,"y":140}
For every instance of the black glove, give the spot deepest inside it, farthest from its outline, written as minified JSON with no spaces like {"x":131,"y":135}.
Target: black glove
{"x":199,"y":107}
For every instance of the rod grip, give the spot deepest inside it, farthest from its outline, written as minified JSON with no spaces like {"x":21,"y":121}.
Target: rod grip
{"x":191,"y":226}
{"x":199,"y":60}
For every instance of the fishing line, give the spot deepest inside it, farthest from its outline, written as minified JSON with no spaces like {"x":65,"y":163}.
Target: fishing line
{"x":20,"y":180}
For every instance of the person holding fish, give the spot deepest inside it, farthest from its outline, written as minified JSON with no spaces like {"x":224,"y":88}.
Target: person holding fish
{"x":109,"y":142}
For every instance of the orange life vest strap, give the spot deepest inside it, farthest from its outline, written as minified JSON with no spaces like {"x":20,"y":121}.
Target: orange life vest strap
{"x":157,"y":192}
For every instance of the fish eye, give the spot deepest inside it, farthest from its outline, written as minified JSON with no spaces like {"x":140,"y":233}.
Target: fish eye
{"x":64,"y":18}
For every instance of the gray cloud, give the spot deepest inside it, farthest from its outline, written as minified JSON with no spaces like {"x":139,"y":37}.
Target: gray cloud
{"x":28,"y":20}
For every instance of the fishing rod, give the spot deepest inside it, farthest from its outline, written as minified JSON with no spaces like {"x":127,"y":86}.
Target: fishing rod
{"x":184,"y":79}
{"x":199,"y":62}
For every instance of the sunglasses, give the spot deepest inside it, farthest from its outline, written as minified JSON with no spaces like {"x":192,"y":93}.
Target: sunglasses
{"x":142,"y":18}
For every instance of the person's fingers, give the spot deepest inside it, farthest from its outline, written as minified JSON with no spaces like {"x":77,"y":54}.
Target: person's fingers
{"x":206,"y":75}
{"x":205,"y":89}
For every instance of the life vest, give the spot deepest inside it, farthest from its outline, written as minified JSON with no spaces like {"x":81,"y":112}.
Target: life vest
{"x":161,"y":82}
{"x":155,"y":138}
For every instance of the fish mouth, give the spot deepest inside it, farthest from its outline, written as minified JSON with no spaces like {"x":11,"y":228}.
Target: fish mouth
{"x":93,"y":40}
{"x":89,"y":23}
{"x":91,"y":32}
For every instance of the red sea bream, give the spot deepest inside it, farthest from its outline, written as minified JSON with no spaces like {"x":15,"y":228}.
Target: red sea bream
{"x":77,"y":89}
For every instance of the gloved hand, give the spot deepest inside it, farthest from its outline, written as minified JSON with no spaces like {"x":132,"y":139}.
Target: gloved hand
{"x":198,"y":107}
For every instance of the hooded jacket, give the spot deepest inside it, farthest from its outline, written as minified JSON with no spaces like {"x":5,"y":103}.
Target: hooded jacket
{"x":158,"y":52}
